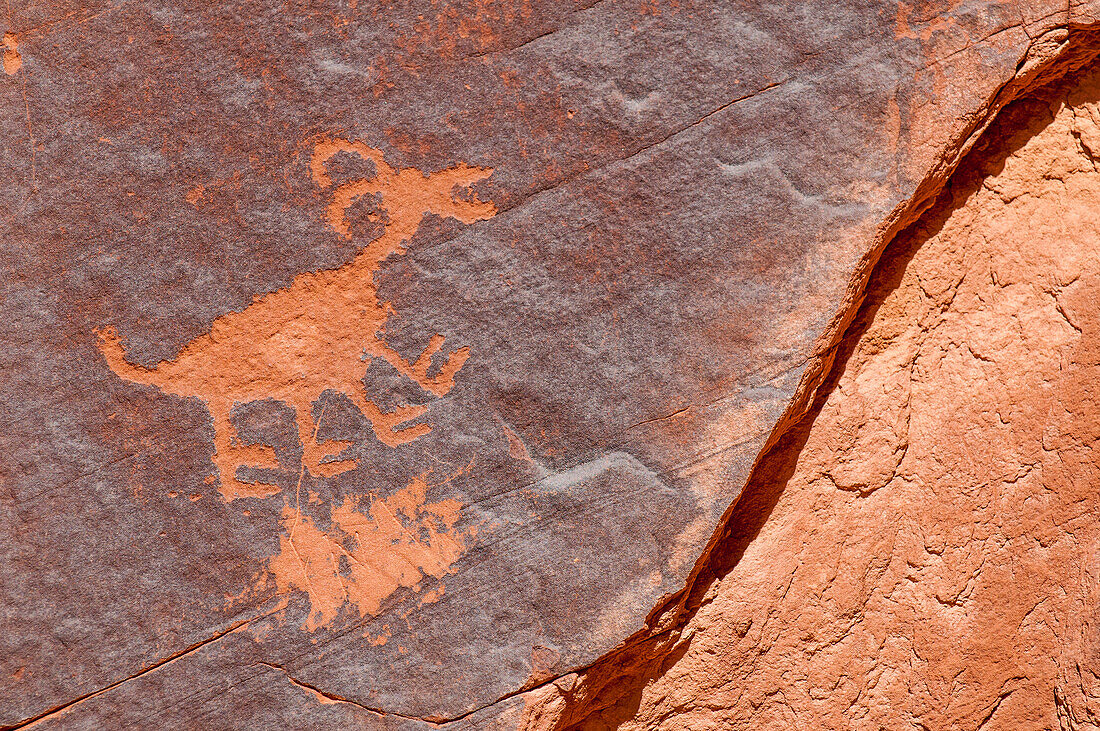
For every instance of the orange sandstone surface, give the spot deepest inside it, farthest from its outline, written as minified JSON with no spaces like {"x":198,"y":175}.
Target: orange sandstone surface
{"x":923,"y":551}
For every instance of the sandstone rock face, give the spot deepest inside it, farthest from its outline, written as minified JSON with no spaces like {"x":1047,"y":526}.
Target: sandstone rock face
{"x":927,"y":553}
{"x":388,"y":365}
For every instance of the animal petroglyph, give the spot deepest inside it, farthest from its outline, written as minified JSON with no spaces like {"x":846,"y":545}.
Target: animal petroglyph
{"x":293,"y":344}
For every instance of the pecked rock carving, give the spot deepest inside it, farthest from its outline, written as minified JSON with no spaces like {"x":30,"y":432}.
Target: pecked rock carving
{"x":295,"y":343}
{"x":695,"y":192}
{"x":12,"y":60}
{"x":375,"y":546}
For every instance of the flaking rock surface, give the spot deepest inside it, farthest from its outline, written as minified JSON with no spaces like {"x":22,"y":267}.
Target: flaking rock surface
{"x":370,"y":364}
{"x":925,"y":552}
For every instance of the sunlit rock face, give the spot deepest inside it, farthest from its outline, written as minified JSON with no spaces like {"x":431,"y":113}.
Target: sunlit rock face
{"x":924,"y":551}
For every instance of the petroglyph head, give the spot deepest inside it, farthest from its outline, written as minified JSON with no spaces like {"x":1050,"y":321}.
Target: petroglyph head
{"x":407,"y":194}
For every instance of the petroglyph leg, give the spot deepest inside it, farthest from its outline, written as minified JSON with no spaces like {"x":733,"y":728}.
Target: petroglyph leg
{"x":229,"y":454}
{"x":442,"y":382}
{"x":387,"y":424}
{"x":315,"y":454}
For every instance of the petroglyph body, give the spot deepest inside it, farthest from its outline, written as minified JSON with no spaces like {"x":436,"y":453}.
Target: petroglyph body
{"x":315,"y":334}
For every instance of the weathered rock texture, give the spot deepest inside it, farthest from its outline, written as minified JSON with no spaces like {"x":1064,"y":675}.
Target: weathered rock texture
{"x":374,"y":364}
{"x":923,"y":552}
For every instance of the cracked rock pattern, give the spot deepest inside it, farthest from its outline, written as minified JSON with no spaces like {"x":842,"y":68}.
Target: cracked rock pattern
{"x":927,"y":551}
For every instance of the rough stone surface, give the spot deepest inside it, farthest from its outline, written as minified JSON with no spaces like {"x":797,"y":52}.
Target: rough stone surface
{"x":369,"y":365}
{"x":923,"y":552}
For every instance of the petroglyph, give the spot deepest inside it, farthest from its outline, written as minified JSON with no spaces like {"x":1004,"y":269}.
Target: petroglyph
{"x":295,"y":343}
{"x":368,"y":554}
